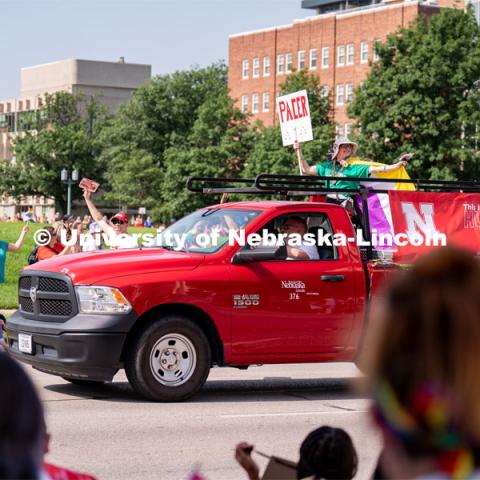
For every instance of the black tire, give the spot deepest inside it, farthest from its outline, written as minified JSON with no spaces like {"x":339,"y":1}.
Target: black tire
{"x":146,"y":378}
{"x":82,"y":382}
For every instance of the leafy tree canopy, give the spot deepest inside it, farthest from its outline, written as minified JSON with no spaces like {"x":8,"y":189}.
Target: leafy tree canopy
{"x":65,"y":136}
{"x":161,"y":113}
{"x":217,"y":146}
{"x":173,"y":122}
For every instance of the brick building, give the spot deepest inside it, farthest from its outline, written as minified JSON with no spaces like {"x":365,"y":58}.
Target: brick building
{"x":338,"y":46}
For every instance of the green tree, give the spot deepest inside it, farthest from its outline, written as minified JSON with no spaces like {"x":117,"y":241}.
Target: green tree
{"x":421,"y":96}
{"x":65,"y":136}
{"x":133,"y":180}
{"x":270,"y":156}
{"x":219,"y":142}
{"x":162,"y":115}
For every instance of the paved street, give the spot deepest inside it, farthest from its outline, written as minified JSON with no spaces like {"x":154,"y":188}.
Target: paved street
{"x":109,"y":431}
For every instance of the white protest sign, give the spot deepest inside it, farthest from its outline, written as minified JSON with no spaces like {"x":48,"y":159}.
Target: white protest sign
{"x":294,"y":115}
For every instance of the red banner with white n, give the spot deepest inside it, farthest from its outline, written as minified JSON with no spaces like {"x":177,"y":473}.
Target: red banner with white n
{"x":423,"y":215}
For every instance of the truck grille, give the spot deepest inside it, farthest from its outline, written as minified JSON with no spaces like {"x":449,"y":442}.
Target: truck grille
{"x":46,"y":296}
{"x":26,"y":305}
{"x":46,"y":284}
{"x":26,"y":283}
{"x":59,"y":308}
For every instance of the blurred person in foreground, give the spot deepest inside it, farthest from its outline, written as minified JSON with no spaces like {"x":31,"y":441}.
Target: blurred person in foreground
{"x":23,"y":436}
{"x":423,"y":370}
{"x":325,"y":453}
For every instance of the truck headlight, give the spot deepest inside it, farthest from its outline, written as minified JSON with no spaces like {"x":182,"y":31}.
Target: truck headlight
{"x":94,"y":299}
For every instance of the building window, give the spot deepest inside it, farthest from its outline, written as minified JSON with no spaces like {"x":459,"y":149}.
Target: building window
{"x":289,"y":58}
{"x":325,"y":91}
{"x":340,"y":95}
{"x":350,"y":54}
{"x":244,"y":103}
{"x":245,"y":69}
{"x":364,"y":52}
{"x":313,"y":58}
{"x":338,"y":130}
{"x":325,"y":57}
{"x":341,"y":55}
{"x":280,"y":64}
{"x":348,"y":129}
{"x":301,"y":60}
{"x":376,"y":44}
{"x":349,"y":92}
{"x":255,"y":103}
{"x":266,"y":101}
{"x":256,"y":67}
{"x":266,"y":66}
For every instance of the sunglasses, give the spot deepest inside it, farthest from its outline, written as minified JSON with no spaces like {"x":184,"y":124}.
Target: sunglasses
{"x":115,"y":221}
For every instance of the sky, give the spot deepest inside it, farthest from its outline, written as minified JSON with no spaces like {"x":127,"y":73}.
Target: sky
{"x":170,"y":35}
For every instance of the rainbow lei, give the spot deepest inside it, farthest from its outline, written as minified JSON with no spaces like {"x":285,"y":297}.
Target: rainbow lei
{"x":427,"y":418}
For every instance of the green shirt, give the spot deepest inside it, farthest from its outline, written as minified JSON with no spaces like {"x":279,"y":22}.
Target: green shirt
{"x":351,"y":170}
{"x":3,"y":259}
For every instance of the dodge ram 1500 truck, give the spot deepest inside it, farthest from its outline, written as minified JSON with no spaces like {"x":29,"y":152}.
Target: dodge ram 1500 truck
{"x":167,"y":314}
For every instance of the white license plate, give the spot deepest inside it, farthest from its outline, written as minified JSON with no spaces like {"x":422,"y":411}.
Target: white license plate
{"x":25,"y":343}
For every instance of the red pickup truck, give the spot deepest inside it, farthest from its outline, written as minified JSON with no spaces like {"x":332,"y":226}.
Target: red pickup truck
{"x":167,"y":314}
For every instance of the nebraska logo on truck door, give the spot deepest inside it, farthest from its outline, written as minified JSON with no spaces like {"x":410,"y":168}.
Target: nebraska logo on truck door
{"x":297,"y":284}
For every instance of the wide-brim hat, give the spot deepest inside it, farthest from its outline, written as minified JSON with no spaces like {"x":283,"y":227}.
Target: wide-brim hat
{"x":343,"y":141}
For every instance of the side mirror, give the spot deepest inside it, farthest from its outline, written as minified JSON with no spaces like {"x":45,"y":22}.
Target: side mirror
{"x":260,"y":254}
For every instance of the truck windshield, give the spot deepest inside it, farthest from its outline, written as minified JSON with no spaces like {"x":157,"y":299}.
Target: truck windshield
{"x":205,"y":231}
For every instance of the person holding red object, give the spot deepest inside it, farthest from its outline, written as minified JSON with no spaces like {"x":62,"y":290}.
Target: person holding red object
{"x":116,"y":228}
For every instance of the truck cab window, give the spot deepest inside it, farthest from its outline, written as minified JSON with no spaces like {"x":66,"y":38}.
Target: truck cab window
{"x":308,"y":235}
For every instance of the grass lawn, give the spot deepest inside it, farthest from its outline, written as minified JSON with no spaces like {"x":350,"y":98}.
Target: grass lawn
{"x":9,"y":232}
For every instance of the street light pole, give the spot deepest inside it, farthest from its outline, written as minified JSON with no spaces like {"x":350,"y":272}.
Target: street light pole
{"x":64,"y":177}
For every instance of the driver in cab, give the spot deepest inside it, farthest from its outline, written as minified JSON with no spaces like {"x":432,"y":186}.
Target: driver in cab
{"x":297,"y":250}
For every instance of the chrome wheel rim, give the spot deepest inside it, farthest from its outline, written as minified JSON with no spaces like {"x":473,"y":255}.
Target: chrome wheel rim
{"x":173,"y":360}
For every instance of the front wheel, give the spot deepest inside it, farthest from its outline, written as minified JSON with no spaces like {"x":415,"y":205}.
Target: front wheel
{"x":169,"y":360}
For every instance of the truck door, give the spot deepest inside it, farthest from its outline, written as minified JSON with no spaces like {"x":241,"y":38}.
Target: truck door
{"x":294,"y":307}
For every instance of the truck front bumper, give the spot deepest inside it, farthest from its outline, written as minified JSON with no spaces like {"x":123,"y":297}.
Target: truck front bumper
{"x":85,"y":347}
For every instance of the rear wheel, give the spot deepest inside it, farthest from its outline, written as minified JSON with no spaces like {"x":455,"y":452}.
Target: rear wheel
{"x":169,"y":360}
